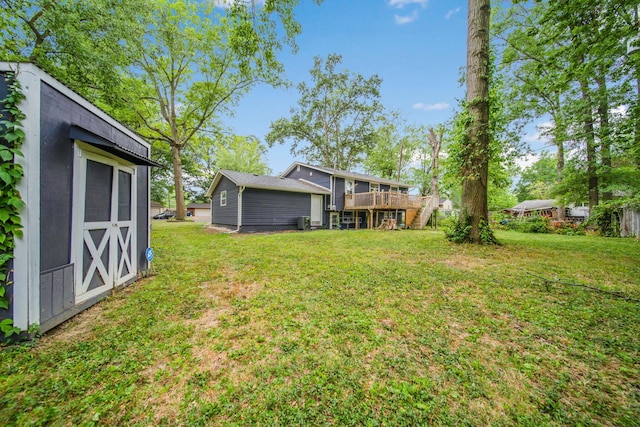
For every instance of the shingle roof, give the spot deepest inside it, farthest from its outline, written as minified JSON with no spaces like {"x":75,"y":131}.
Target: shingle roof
{"x":269,"y":183}
{"x":529,"y":205}
{"x":351,"y":175}
{"x":198,"y":206}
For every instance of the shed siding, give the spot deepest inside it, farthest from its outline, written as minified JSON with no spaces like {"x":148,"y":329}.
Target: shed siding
{"x":311,"y":175}
{"x":56,"y":179}
{"x":4,"y":313}
{"x":58,"y":113}
{"x":143,"y":215}
{"x":267,"y":210}
{"x":225,"y":216}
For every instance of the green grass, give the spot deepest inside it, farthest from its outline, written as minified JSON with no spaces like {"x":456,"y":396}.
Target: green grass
{"x":345,"y":328}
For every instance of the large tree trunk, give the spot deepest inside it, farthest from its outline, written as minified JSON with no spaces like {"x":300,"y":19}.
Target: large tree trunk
{"x":177,"y":182}
{"x":605,"y":133}
{"x":587,"y":124}
{"x":475,"y":170}
{"x":436,"y":144}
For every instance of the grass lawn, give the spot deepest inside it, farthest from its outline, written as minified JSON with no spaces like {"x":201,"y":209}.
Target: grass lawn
{"x":346,"y":328}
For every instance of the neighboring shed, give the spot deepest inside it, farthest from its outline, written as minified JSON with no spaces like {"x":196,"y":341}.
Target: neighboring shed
{"x":86,"y":190}
{"x":546,"y":208}
{"x":200,"y":211}
{"x":250,"y":203}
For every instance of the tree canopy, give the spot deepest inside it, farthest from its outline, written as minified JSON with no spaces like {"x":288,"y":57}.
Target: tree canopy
{"x":335,"y":122}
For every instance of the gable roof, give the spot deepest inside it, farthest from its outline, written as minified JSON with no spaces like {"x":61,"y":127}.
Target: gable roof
{"x":347,"y":174}
{"x":263,"y":182}
{"x":532,"y":205}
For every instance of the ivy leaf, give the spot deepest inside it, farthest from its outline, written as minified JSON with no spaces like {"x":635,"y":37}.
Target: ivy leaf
{"x":5,"y":153}
{"x":4,"y":215}
{"x":5,"y":177}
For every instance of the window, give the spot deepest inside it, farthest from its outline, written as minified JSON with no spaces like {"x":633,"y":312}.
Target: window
{"x":348,"y":186}
{"x":223,"y":198}
{"x":374,"y":187}
{"x":394,"y":188}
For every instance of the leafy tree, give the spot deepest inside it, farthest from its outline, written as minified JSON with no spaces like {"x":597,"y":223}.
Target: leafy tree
{"x":537,"y":180}
{"x":86,"y":44}
{"x":393,"y":149}
{"x":335,"y":121}
{"x":198,"y":61}
{"x":241,"y":154}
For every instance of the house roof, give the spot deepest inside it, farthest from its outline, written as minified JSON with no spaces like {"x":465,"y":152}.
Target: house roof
{"x":264,"y":182}
{"x":198,"y":206}
{"x":532,"y":205}
{"x":348,"y":175}
{"x":156,"y":204}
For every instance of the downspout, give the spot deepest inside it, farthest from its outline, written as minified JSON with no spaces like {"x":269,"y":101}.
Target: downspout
{"x":237,"y":230}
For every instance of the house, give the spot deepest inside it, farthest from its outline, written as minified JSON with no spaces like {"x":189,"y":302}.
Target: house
{"x":364,"y":201}
{"x":86,"y":195}
{"x":250,"y":203}
{"x":445,"y":205}
{"x":548,"y":208}
{"x":155,"y":208}
{"x":331,"y":198}
{"x":199,"y":211}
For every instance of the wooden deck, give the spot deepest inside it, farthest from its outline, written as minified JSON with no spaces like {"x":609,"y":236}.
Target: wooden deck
{"x":383,"y":200}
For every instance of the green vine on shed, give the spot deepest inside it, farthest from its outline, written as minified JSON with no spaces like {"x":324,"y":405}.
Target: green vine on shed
{"x":11,"y":139}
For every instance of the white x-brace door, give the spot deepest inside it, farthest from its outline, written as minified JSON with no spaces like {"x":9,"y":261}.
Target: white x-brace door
{"x":104,"y":224}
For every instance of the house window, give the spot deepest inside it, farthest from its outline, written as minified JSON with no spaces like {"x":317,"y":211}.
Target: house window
{"x":374,"y":187}
{"x":223,"y":198}
{"x":348,"y":186}
{"x":394,"y":188}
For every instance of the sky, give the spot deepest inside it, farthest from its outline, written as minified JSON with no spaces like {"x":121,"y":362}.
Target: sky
{"x":417,"y":47}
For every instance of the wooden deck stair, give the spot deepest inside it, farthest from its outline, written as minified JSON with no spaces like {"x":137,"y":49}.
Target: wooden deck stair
{"x":422,"y":217}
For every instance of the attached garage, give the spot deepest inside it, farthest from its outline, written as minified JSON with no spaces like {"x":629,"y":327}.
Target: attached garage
{"x":86,"y":190}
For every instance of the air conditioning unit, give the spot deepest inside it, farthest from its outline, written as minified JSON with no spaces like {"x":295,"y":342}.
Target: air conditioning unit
{"x":304,"y":222}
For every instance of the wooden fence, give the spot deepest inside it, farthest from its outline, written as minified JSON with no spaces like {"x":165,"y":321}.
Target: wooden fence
{"x":630,"y":223}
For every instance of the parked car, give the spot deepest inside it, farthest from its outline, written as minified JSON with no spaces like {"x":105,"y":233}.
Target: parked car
{"x":165,"y":215}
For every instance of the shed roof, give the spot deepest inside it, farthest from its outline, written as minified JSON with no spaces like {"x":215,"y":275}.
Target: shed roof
{"x":198,"y":206}
{"x":249,"y":180}
{"x":348,"y":175}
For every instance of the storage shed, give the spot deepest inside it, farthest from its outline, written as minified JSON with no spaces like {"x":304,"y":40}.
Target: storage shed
{"x":86,"y":190}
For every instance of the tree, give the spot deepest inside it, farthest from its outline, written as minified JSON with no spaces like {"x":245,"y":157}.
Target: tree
{"x":241,"y":154}
{"x":85,"y":44}
{"x":335,"y":121}
{"x":393,"y":149}
{"x":197,"y":62}
{"x":538,"y":179}
{"x":475,"y":153}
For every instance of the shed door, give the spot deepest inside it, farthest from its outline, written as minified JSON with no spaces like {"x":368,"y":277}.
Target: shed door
{"x":104,"y":243}
{"x":316,"y":210}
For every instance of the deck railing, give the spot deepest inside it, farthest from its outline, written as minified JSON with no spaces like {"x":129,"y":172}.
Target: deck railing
{"x":383,"y":200}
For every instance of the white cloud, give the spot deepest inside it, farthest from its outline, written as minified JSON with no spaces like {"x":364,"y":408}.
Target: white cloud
{"x":402,"y":3}
{"x":431,"y":107}
{"x":451,"y":13}
{"x":401,"y":20}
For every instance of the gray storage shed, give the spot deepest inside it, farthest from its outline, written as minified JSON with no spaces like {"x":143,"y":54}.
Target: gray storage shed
{"x":86,"y":189}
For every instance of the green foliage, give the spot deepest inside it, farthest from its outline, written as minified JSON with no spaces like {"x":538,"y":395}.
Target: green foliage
{"x":11,"y":138}
{"x":241,"y":154}
{"x":334,"y":124}
{"x":537,"y":180}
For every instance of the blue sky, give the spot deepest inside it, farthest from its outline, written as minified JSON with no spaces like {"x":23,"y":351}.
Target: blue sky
{"x":417,"y":47}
